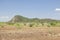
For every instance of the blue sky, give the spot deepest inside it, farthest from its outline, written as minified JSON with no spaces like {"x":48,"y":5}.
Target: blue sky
{"x":29,"y":8}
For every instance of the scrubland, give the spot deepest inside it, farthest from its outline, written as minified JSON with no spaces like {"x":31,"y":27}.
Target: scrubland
{"x":29,"y":31}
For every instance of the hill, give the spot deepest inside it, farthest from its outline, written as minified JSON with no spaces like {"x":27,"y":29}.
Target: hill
{"x":19,"y":18}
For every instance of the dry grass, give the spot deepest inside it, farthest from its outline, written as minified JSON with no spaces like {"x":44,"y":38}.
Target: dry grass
{"x":36,"y":33}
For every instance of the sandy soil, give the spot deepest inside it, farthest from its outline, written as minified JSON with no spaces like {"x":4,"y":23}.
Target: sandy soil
{"x":42,"y":33}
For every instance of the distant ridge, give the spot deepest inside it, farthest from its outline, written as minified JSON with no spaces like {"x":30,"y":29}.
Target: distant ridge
{"x":19,"y":18}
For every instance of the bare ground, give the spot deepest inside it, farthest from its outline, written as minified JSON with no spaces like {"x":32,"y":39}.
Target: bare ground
{"x":42,"y":33}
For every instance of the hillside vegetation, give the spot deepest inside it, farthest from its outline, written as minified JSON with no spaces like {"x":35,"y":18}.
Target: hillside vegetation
{"x":19,"y":18}
{"x":20,"y":21}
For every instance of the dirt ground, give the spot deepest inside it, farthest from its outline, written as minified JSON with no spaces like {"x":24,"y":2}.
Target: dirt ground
{"x":39,"y":33}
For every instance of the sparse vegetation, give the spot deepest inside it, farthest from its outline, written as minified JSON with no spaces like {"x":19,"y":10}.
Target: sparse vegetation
{"x":20,"y":21}
{"x":40,"y":27}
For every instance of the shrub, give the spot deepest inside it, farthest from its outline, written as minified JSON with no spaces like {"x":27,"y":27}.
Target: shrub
{"x":52,"y":24}
{"x":31,"y":25}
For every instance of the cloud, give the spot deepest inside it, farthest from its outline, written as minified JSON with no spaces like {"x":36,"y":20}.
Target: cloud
{"x":4,"y":17}
{"x":57,"y":9}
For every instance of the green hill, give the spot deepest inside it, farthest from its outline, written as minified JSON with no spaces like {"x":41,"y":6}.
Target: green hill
{"x":19,"y":18}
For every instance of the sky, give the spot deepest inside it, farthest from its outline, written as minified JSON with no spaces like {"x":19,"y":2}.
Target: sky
{"x":29,"y":8}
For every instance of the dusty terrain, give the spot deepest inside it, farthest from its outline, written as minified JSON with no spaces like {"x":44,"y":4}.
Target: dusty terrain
{"x":42,"y":33}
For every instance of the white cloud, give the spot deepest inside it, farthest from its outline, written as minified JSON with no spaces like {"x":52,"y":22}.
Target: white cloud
{"x":57,"y":9}
{"x":4,"y":17}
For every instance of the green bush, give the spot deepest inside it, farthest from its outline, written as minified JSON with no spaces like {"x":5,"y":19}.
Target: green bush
{"x":53,"y":24}
{"x":31,"y":25}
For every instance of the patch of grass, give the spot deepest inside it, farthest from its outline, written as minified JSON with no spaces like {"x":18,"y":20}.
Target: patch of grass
{"x":19,"y":25}
{"x":10,"y":23}
{"x":2,"y":24}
